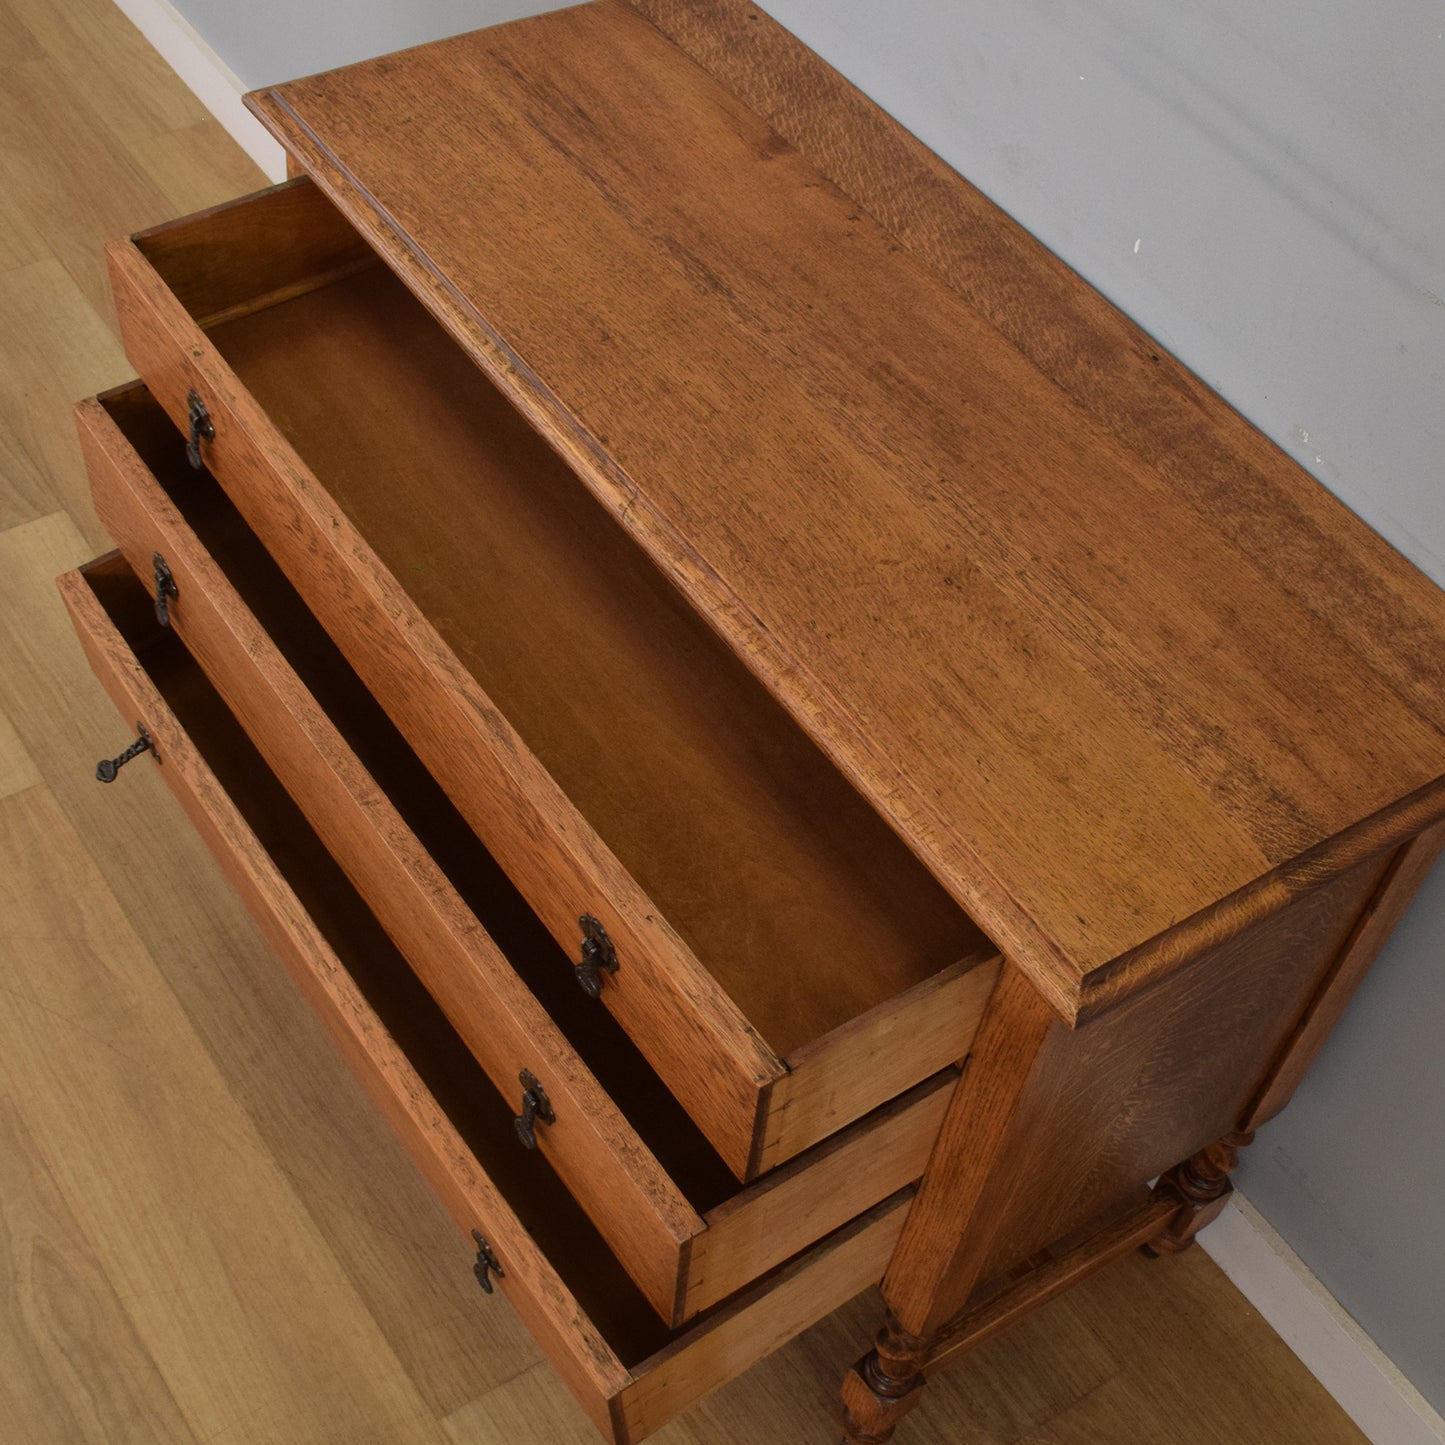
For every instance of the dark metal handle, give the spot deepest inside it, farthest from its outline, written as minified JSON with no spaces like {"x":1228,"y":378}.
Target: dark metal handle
{"x":535,"y":1105}
{"x":107,"y":768}
{"x":598,"y":955}
{"x":486,"y":1264}
{"x":166,"y":590}
{"x":202,"y":429}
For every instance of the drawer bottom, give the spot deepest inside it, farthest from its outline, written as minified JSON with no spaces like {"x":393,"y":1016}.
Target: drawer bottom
{"x":629,"y":1372}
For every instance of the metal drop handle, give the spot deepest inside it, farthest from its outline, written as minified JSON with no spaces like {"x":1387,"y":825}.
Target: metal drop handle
{"x":535,"y":1105}
{"x":598,"y":956}
{"x":486,"y":1265}
{"x":166,"y":589}
{"x":107,"y":768}
{"x":202,"y":429}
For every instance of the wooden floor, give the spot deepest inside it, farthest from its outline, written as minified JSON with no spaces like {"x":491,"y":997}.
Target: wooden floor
{"x":207,"y":1237}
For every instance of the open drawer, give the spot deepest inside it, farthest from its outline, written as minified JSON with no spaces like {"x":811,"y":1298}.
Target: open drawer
{"x":784,"y":962}
{"x":630,"y":1373}
{"x":667,"y":1206}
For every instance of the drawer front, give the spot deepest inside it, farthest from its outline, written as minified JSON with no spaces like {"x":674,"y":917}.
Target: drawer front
{"x":760,"y":1097}
{"x":643,"y":1216}
{"x":629,"y":1389}
{"x":683,"y":1262}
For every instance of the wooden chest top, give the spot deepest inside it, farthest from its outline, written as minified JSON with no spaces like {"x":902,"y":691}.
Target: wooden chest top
{"x":1104,"y":656}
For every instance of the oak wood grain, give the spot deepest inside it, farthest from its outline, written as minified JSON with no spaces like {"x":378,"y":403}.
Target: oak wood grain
{"x":228,"y":262}
{"x":311,"y":954}
{"x":1137,"y":1348}
{"x":519,"y":812}
{"x":17,"y":43}
{"x":1104,"y":362}
{"x":759,"y":1321}
{"x":1161,"y":1346}
{"x":1142,"y":662}
{"x":1397,"y":886}
{"x":535,"y":1405}
{"x":192,"y":170}
{"x":769,"y":867}
{"x":1174,"y":1068}
{"x":150,"y":499}
{"x":873,"y":1405}
{"x":979,"y":1324}
{"x":21,"y":241}
{"x":752,"y":1232}
{"x":318,"y":1133}
{"x":1052,"y":1128}
{"x":171,"y":753}
{"x":876,"y":1055}
{"x":627,"y":1383}
{"x":641,"y":1212}
{"x":791,"y":1206}
{"x":993,"y":1132}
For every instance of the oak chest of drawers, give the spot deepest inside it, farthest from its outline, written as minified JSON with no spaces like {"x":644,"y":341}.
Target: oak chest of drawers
{"x":790,"y":746}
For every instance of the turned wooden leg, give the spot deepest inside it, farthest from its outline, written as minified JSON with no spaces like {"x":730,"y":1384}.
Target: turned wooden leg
{"x":883,"y":1386}
{"x":1202,"y":1186}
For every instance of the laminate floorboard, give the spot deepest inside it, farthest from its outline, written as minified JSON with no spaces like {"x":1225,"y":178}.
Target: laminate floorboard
{"x":206,"y":1234}
{"x":24,"y":494}
{"x":52,"y":340}
{"x":72,"y":1366}
{"x":17,"y":767}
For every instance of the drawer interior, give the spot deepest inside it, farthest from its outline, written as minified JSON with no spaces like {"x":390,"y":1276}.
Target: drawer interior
{"x":479,"y":1114}
{"x":805,"y":907}
{"x":660,"y":1121}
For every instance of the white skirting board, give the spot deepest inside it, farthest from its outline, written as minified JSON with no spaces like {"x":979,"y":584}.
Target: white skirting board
{"x":212,"y":81}
{"x":1335,"y":1350}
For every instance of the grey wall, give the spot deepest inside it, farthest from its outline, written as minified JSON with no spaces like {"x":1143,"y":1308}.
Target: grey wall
{"x":1263,"y":188}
